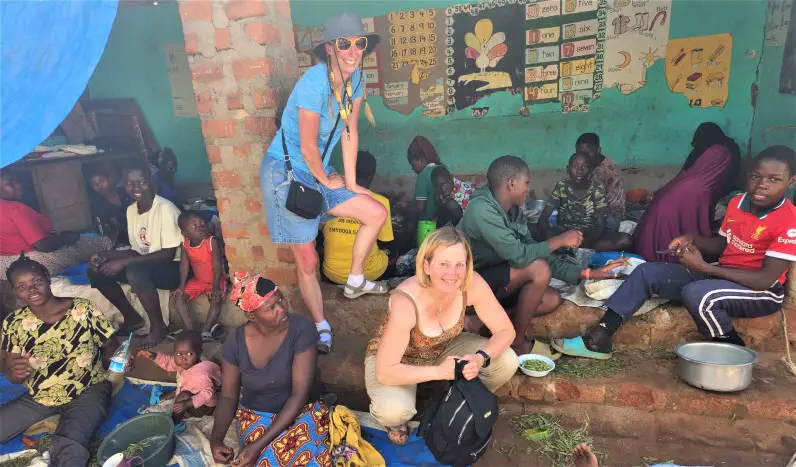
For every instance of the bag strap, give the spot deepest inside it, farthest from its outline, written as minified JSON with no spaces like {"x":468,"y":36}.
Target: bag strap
{"x":288,"y":165}
{"x":411,"y":299}
{"x":459,"y":372}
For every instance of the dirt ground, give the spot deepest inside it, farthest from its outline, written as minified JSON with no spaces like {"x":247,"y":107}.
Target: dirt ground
{"x":509,"y":449}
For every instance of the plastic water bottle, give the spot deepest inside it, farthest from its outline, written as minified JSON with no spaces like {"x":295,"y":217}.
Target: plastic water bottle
{"x":553,"y":219}
{"x":119,"y":363}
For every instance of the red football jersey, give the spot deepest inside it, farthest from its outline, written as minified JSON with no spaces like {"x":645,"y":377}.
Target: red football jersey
{"x":750,"y":238}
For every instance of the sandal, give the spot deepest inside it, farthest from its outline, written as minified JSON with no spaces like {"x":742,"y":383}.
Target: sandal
{"x":575,"y":347}
{"x":398,"y":435}
{"x":173,"y":334}
{"x":324,"y":347}
{"x":217,"y":330}
{"x":543,"y":348}
{"x":207,"y":336}
{"x":379,"y":288}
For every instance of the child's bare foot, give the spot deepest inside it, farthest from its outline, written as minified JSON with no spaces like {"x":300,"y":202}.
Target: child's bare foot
{"x":583,"y":457}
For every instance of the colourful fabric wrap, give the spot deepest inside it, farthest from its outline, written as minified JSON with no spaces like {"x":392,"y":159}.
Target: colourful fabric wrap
{"x":244,"y":291}
{"x":304,"y":443}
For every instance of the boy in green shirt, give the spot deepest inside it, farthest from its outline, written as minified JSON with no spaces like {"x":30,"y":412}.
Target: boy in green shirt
{"x":516,"y":267}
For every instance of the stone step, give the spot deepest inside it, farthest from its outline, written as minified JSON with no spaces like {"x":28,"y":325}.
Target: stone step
{"x":653,"y":385}
{"x":650,"y":385}
{"x":665,"y":326}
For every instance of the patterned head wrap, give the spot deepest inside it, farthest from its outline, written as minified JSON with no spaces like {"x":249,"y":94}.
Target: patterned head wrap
{"x":247,"y":290}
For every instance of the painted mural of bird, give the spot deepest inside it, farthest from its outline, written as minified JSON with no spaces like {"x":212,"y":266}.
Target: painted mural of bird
{"x":484,"y":47}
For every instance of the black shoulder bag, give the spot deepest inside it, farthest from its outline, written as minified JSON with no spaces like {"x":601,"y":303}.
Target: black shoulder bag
{"x":302,"y":200}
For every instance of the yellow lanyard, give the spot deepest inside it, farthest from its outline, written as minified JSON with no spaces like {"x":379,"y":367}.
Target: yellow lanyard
{"x":345,"y":110}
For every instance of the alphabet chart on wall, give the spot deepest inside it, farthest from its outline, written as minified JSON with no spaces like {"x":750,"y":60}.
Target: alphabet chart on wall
{"x":565,"y":42}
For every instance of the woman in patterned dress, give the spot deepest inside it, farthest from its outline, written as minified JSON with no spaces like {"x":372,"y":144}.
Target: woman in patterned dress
{"x":272,"y":359}
{"x":54,"y":346}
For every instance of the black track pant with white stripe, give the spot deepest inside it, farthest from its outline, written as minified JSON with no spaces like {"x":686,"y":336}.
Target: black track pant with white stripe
{"x":711,"y":302}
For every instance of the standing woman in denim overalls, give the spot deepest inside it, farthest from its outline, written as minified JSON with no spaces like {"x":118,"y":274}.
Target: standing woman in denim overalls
{"x":311,"y":128}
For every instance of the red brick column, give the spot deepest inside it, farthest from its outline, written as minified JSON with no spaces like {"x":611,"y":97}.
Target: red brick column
{"x":243,"y":63}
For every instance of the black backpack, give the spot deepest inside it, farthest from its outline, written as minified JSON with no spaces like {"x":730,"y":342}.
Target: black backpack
{"x":458,"y":425}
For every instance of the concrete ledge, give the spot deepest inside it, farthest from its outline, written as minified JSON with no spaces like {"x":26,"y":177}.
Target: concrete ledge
{"x":667,"y":325}
{"x":651,"y":385}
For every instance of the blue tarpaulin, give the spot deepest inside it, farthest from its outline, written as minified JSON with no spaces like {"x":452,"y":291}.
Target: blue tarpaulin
{"x":413,"y":454}
{"x":48,"y":51}
{"x":124,"y":406}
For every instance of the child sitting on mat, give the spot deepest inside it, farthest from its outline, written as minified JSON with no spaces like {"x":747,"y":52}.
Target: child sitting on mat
{"x":201,"y":253}
{"x":196,"y":380}
{"x":581,"y":206}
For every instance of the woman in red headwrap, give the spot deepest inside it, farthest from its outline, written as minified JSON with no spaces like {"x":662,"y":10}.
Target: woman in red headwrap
{"x":272,"y":359}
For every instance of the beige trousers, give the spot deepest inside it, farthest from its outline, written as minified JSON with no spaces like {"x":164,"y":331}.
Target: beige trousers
{"x":393,"y":406}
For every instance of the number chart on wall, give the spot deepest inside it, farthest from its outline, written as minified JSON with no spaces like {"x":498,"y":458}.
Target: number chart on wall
{"x":564,"y":52}
{"x":412,"y":74}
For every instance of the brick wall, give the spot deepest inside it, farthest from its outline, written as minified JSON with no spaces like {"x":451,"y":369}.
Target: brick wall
{"x":243,"y":64}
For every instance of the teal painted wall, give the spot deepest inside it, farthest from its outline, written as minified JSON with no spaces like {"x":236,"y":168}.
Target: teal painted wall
{"x":774,"y":109}
{"x":651,"y":126}
{"x":134,"y":65}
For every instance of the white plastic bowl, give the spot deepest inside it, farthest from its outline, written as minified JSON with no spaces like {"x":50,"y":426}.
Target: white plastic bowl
{"x":532,"y":356}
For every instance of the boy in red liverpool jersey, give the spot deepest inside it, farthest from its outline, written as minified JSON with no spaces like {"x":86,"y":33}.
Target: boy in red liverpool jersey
{"x":757,"y":244}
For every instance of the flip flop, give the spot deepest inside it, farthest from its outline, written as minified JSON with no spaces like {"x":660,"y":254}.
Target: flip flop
{"x":575,"y":347}
{"x":379,"y":288}
{"x":324,"y":347}
{"x":543,"y":348}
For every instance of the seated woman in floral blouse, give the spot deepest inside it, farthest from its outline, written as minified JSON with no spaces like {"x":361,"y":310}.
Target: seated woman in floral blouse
{"x":272,"y":359}
{"x":53,"y":346}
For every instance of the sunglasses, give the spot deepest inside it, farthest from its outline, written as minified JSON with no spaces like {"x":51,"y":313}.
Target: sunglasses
{"x":344,"y":43}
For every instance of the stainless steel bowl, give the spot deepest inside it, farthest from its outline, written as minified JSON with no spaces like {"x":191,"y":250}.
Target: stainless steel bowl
{"x":533,"y":209}
{"x":716,"y":366}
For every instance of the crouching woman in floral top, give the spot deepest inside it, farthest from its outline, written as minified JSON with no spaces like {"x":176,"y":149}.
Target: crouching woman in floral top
{"x":52,"y":346}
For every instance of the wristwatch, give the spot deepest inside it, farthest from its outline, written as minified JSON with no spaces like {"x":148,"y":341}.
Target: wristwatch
{"x":487,"y":359}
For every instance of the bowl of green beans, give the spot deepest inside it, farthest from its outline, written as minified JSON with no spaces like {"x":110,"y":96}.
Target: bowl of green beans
{"x":536,"y":365}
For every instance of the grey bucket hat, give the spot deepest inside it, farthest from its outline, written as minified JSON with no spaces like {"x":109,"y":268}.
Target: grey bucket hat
{"x":344,"y":24}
